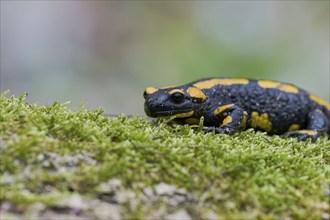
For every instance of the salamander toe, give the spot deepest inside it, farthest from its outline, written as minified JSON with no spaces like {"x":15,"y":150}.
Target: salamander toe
{"x":216,"y":130}
{"x":303,"y":134}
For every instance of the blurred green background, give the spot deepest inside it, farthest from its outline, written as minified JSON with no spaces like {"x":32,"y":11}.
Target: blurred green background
{"x":104,"y":53}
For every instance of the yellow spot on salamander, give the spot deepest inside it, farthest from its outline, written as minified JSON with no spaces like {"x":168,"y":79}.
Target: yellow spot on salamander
{"x":243,"y":123}
{"x":222,"y":108}
{"x":150,"y":90}
{"x":185,"y":114}
{"x":267,"y":84}
{"x":309,"y":132}
{"x":294,"y":127}
{"x":261,"y":121}
{"x":320,"y":101}
{"x":206,"y":84}
{"x":227,"y":120}
{"x":168,"y":87}
{"x":176,"y":90}
{"x":196,"y":93}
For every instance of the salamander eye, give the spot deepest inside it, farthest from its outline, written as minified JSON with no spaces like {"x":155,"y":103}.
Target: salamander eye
{"x":144,"y":94}
{"x":177,"y":97}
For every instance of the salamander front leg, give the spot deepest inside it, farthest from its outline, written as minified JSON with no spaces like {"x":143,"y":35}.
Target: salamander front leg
{"x":232,"y":118}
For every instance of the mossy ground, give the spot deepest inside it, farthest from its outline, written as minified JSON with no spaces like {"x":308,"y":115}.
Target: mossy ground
{"x":246,"y":175}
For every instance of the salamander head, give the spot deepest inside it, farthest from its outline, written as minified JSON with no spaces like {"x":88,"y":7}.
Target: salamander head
{"x":171,"y":101}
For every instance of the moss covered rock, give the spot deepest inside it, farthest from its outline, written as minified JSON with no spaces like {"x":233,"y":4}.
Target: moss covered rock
{"x":56,"y":162}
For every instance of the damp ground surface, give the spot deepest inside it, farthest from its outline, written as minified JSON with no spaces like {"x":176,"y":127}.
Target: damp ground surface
{"x":59,"y":163}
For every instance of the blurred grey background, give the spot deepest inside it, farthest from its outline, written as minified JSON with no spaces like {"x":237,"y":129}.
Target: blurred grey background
{"x":104,"y":53}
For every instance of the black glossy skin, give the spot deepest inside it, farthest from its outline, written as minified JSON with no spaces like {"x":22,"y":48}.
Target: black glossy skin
{"x":282,"y":108}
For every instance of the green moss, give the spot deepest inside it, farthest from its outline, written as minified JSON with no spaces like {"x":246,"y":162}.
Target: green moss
{"x":49,"y":152}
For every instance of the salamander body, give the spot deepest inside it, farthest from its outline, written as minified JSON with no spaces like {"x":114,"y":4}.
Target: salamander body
{"x":231,"y":104}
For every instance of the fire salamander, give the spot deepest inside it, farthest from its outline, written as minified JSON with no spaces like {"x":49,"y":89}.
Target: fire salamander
{"x":232,"y":104}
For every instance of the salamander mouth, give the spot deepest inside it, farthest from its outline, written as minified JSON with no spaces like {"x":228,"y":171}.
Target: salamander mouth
{"x":169,"y":113}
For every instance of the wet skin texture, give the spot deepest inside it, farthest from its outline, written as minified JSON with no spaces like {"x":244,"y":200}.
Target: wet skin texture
{"x":229,"y":105}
